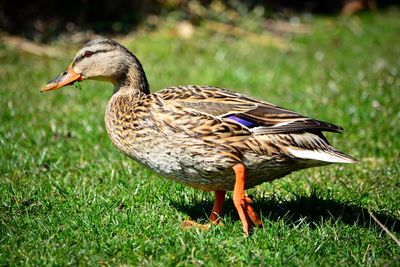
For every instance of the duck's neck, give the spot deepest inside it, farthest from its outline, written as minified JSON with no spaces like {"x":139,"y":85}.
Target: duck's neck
{"x":132,"y":80}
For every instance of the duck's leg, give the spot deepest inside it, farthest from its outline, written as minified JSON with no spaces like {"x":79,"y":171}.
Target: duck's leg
{"x":218,"y":205}
{"x":214,"y":216}
{"x":242,"y":203}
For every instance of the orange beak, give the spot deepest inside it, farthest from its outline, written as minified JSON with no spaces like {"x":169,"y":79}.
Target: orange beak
{"x":66,"y":78}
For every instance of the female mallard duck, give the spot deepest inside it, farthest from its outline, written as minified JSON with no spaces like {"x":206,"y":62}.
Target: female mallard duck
{"x":206,"y":137}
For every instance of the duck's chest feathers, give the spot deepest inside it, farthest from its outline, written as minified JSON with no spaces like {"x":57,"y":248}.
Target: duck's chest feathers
{"x":136,"y":132}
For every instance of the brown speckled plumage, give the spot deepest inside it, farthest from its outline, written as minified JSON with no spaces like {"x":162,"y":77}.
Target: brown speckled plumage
{"x":195,"y":134}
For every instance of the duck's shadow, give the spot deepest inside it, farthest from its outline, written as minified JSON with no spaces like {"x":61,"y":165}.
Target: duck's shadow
{"x":310,"y":209}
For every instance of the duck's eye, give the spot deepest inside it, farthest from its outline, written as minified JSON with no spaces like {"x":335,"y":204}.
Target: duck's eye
{"x":87,"y":54}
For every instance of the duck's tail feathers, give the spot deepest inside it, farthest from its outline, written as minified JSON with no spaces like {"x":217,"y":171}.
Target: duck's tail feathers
{"x":328,"y":156}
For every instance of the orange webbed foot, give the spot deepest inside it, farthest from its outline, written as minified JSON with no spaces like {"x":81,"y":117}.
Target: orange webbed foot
{"x":255,"y":219}
{"x":247,"y":215}
{"x":190,"y":224}
{"x":214,"y":216}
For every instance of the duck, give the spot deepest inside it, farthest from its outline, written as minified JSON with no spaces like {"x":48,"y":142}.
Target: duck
{"x":206,"y":137}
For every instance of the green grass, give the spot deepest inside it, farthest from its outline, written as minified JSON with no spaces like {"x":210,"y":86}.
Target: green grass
{"x":68,"y":197}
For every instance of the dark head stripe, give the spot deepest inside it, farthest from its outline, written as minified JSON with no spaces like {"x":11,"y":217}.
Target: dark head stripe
{"x":93,"y":52}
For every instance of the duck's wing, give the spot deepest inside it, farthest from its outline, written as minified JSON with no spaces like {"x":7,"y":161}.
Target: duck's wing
{"x":257,"y":116}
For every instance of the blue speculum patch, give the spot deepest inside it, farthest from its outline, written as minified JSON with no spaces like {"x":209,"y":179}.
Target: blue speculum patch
{"x":243,"y":121}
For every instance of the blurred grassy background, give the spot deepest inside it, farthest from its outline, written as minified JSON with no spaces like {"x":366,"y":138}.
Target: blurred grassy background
{"x":44,"y":20}
{"x":67,"y":197}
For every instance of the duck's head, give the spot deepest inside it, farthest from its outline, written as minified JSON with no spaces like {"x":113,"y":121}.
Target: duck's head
{"x":105,"y":60}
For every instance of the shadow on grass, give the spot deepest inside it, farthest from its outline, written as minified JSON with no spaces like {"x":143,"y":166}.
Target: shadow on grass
{"x":310,"y":209}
